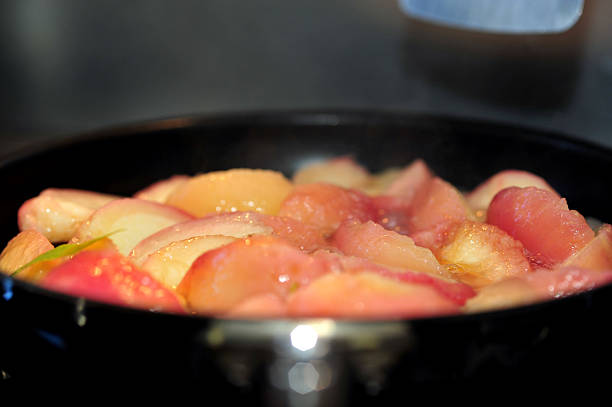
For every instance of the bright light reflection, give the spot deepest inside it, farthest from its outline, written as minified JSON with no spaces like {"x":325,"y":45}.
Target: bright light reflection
{"x":304,"y":337}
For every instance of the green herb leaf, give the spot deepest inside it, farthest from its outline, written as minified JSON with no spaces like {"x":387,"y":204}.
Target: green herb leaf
{"x":63,"y":250}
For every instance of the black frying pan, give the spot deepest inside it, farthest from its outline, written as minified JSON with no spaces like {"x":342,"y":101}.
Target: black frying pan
{"x":59,"y":339}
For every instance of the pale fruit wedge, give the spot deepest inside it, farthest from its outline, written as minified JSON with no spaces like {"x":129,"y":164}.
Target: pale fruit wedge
{"x":341,"y":171}
{"x":57,"y":213}
{"x":238,"y":225}
{"x":232,"y":190}
{"x":161,"y":190}
{"x":170,"y":263}
{"x":22,"y":249}
{"x":483,"y":254}
{"x":597,"y":254}
{"x":130,"y":220}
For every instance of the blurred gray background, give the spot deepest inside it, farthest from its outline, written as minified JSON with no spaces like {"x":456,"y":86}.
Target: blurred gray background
{"x":72,"y":65}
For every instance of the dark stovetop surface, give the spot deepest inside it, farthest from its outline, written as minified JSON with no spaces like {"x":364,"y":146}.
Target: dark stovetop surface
{"x":71,"y":66}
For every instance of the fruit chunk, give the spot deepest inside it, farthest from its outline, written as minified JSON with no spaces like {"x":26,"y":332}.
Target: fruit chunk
{"x":597,"y":254}
{"x":132,"y":219}
{"x":57,"y":213}
{"x":326,"y":206}
{"x":540,"y":285}
{"x":436,"y":209}
{"x":238,"y":225}
{"x":161,"y":190}
{"x":482,"y":195}
{"x":222,"y":278}
{"x":259,"y":306}
{"x":366,"y":295}
{"x":371,"y":241}
{"x":170,"y":263}
{"x":230,"y":191}
{"x":342,"y":171}
{"x":482,"y":254}
{"x":22,"y":249}
{"x":452,"y":290}
{"x":106,"y":276}
{"x":411,"y":180}
{"x":541,"y":221}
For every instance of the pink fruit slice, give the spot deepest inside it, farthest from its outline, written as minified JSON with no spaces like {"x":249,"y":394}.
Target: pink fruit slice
{"x":482,"y":254}
{"x":371,"y":241}
{"x":107,"y":276}
{"x":455,"y":291}
{"x":541,"y":221}
{"x":259,"y":306}
{"x":436,"y":210}
{"x":540,"y":285}
{"x":22,"y":249}
{"x":326,"y":206}
{"x":411,"y":180}
{"x":222,"y":278}
{"x":131,"y":219}
{"x":367,"y":295}
{"x":57,"y":213}
{"x":482,"y":195}
{"x":341,"y":171}
{"x":237,"y":225}
{"x":161,"y":190}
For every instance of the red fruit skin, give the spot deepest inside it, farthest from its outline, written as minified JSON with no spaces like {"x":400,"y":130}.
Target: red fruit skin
{"x":326,"y":206}
{"x":542,"y":221}
{"x":107,"y":276}
{"x":222,"y":278}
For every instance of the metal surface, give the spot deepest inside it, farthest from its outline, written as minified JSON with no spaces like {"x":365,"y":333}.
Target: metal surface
{"x":499,"y":16}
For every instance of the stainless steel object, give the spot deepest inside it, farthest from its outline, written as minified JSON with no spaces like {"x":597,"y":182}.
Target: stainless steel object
{"x":498,"y":16}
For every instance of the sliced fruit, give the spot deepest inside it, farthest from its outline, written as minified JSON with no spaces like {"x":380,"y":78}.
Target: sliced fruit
{"x":411,"y":180}
{"x":161,"y":190}
{"x":508,"y":293}
{"x":540,"y":285}
{"x":366,"y":295}
{"x":259,"y":306}
{"x":232,"y":190}
{"x":222,"y":278}
{"x":482,"y":254}
{"x":436,"y":210}
{"x":57,"y":213}
{"x":455,"y":291}
{"x":22,"y":249}
{"x":541,"y":221}
{"x":237,"y":225}
{"x":132,"y":219}
{"x":597,"y":254}
{"x":482,"y":195}
{"x":342,"y":171}
{"x":170,"y":263}
{"x":371,"y":241}
{"x":106,"y":276}
{"x":326,"y":206}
